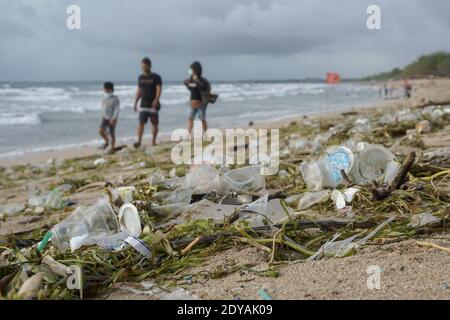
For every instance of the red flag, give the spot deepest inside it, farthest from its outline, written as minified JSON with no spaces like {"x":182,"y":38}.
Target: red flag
{"x":333,"y":77}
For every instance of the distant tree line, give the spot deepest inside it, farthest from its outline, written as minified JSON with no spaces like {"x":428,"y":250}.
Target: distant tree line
{"x":436,"y":64}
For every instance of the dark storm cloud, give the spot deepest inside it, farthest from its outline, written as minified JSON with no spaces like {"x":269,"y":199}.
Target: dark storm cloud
{"x":234,"y":39}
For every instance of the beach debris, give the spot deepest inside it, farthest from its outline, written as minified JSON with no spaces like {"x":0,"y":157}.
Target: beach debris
{"x":43,"y":243}
{"x":405,"y":117}
{"x":310,"y":199}
{"x":54,"y":199}
{"x":258,"y":206}
{"x":170,"y":210}
{"x":350,"y":193}
{"x":126,"y":193}
{"x":205,"y":210}
{"x":423,"y":126}
{"x":85,"y":226}
{"x":13,"y":209}
{"x":300,"y":145}
{"x":113,"y":242}
{"x":179,"y":294}
{"x":99,"y":161}
{"x":55,"y":266}
{"x":186,"y":217}
{"x":433,"y":113}
{"x":326,"y":171}
{"x":129,"y":220}
{"x":345,"y":247}
{"x":173,"y":203}
{"x":439,"y":156}
{"x":362,"y":125}
{"x":291,"y":200}
{"x":202,"y":178}
{"x":139,"y":246}
{"x":263,"y":212}
{"x":264,"y":295}
{"x":423,"y":219}
{"x":245,"y":179}
{"x":30,"y":287}
{"x":373,"y":163}
{"x":387,"y":119}
{"x":283,"y":174}
{"x":237,"y":199}
{"x":398,"y":180}
{"x":338,"y":199}
{"x":180,"y":195}
{"x":33,"y":199}
{"x":432,"y":245}
{"x":321,"y":250}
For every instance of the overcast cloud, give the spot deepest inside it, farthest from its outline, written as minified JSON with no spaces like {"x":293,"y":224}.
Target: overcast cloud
{"x":268,"y":39}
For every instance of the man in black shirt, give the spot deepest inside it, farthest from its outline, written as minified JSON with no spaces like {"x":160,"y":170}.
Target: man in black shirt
{"x":149,"y":92}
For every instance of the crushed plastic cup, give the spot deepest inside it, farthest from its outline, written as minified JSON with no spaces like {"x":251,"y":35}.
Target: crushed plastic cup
{"x":371,"y":164}
{"x":156,"y":177}
{"x":423,"y":219}
{"x":54,"y":199}
{"x":362,"y":125}
{"x":247,"y":179}
{"x":182,"y":195}
{"x":258,"y":206}
{"x":113,"y":242}
{"x":34,"y":200}
{"x":339,"y":158}
{"x":407,"y":117}
{"x":433,"y":113}
{"x":326,"y":172}
{"x":201,"y":178}
{"x":310,"y":199}
{"x":126,"y":193}
{"x":85,"y":226}
{"x":170,"y":210}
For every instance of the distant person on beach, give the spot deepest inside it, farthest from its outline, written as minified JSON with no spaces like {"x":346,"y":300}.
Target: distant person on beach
{"x":148,"y":92}
{"x":111,"y":106}
{"x":201,"y":95}
{"x":408,"y":88}
{"x":386,"y":91}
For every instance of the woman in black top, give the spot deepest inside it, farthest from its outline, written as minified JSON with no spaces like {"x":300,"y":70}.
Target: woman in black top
{"x":197,"y":86}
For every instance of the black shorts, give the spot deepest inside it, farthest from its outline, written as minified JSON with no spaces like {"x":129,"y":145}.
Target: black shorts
{"x":106,"y":126}
{"x":144,"y":116}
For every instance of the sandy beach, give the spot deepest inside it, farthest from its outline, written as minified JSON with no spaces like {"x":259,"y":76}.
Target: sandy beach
{"x":409,"y":271}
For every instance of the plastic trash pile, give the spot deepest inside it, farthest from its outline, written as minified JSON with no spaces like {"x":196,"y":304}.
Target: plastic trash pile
{"x":159,"y":223}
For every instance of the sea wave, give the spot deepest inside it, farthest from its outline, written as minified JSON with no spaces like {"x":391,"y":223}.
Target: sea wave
{"x":11,"y":119}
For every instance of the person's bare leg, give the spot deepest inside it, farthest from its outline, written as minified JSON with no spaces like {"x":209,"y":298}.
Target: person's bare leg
{"x":140,"y":132}
{"x":190,"y":124}
{"x":154,"y":134}
{"x":113,"y":141}
{"x":102,"y":132}
{"x":204,"y":126}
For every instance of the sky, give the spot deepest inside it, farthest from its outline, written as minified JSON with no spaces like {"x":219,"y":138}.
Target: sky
{"x":234,"y":40}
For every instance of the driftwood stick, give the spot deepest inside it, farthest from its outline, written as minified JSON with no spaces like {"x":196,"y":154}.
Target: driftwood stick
{"x":432,"y":103}
{"x":404,"y":169}
{"x":190,"y":246}
{"x":384,"y":192}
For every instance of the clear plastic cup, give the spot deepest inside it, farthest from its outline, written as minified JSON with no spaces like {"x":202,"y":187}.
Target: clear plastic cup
{"x":87,"y":223}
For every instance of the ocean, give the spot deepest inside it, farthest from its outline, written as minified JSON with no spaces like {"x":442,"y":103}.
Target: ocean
{"x":45,"y":116}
